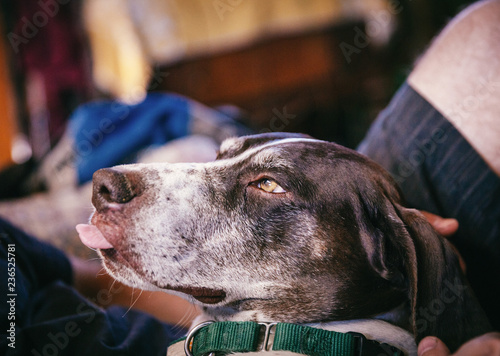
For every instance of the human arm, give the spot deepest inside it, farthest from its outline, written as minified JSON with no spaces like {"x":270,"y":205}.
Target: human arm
{"x":92,"y":281}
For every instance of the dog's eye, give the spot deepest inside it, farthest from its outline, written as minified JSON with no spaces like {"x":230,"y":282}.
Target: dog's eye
{"x":270,"y":186}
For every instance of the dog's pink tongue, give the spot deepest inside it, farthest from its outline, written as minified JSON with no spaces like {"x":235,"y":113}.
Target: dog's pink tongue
{"x":92,"y":237}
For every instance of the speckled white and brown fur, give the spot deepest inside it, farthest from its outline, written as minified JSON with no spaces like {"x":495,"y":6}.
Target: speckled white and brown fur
{"x":337,"y":246}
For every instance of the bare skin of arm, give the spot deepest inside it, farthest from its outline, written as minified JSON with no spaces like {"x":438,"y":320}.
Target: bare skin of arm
{"x":91,"y":280}
{"x":459,"y":75}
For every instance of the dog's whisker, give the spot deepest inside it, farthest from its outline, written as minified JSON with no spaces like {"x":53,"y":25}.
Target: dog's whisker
{"x":133,"y":302}
{"x":188,"y":315}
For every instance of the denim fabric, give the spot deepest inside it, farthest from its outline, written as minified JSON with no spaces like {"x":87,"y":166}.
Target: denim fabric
{"x":440,"y":172}
{"x":107,"y":133}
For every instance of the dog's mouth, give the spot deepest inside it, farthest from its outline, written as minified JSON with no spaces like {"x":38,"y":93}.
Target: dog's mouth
{"x":201,"y":294}
{"x":92,"y":237}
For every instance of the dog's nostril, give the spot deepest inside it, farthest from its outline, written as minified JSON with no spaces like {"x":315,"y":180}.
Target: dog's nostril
{"x":113,"y":186}
{"x":104,"y":192}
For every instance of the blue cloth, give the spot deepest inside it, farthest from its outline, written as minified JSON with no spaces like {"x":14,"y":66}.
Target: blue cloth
{"x":107,"y":133}
{"x":51,"y":318}
{"x":439,"y":171}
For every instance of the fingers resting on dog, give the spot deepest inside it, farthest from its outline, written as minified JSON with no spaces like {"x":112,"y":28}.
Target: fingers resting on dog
{"x":444,"y":226}
{"x":487,"y":345}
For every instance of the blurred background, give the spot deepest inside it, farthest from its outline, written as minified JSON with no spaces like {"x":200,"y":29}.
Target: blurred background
{"x":322,"y":67}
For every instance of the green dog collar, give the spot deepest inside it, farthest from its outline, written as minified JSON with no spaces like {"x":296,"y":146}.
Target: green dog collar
{"x":220,"y":338}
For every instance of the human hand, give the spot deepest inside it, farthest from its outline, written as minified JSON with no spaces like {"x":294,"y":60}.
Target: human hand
{"x":487,"y":345}
{"x":444,"y":226}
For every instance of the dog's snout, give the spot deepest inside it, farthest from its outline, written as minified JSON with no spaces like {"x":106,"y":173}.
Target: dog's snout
{"x":111,"y":186}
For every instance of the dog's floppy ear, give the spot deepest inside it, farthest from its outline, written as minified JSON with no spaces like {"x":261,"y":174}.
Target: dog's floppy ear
{"x":441,"y":302}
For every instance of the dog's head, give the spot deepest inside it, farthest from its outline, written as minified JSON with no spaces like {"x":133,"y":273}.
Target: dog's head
{"x":281,"y":227}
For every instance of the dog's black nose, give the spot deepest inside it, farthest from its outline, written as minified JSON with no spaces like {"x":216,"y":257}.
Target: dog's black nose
{"x":113,"y":186}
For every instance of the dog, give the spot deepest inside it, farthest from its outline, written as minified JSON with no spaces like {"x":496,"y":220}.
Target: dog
{"x":284,"y":228}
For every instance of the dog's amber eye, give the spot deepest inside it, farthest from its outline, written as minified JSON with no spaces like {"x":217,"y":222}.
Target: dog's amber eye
{"x":270,"y":186}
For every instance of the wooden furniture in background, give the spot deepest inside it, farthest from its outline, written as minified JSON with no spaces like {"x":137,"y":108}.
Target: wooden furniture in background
{"x":7,"y":128}
{"x":291,"y":83}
